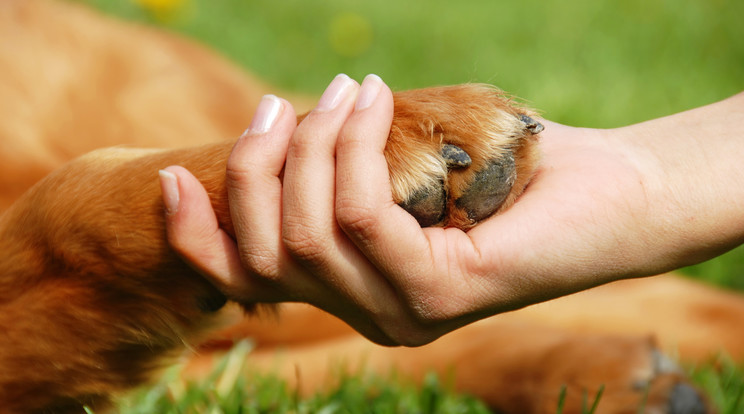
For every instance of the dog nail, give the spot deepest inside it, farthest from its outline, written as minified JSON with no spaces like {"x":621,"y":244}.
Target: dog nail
{"x":533,"y":126}
{"x":455,"y":157}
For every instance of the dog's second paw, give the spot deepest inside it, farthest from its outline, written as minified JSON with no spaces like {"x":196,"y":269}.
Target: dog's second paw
{"x":459,"y":154}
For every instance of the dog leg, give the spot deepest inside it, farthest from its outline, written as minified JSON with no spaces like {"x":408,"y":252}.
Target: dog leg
{"x":91,"y":296}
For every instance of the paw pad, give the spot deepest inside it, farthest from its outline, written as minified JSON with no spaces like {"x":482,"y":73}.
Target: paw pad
{"x":489,"y":188}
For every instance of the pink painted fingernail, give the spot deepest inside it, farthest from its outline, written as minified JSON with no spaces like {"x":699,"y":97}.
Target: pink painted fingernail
{"x":334,"y":93}
{"x":371,"y":87}
{"x":169,"y":187}
{"x":267,"y":112}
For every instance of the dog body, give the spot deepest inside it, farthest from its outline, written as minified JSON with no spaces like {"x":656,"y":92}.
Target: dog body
{"x":92,"y":299}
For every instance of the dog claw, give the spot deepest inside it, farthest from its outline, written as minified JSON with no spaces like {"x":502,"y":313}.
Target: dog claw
{"x":489,"y":188}
{"x":531,"y":125}
{"x":455,"y":157}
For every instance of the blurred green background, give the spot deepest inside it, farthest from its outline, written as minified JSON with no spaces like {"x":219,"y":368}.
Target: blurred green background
{"x":590,"y":63}
{"x":583,"y":63}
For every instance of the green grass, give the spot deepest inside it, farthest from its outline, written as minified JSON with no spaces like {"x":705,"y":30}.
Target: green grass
{"x":583,"y":63}
{"x":226,"y":392}
{"x":723,"y":382}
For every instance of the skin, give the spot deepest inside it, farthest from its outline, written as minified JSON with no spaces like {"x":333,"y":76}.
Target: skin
{"x":605,"y":205}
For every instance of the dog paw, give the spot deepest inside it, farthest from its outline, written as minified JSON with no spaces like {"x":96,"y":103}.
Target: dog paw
{"x":459,"y":154}
{"x":622,"y":375}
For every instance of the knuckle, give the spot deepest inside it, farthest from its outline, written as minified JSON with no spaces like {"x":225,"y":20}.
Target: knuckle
{"x":435,"y":310}
{"x":309,"y":143}
{"x":350,"y":138}
{"x":432,"y":312}
{"x":260,"y":264}
{"x":300,"y":152}
{"x":237,"y":177}
{"x":240,"y":162}
{"x":353,"y":217}
{"x":428,"y":316}
{"x":302,"y":241}
{"x":413,"y":329}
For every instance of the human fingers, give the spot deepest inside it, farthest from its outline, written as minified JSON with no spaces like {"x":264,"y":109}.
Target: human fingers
{"x":254,"y":184}
{"x":254,"y":192}
{"x":343,"y":281}
{"x":194,"y":233}
{"x":254,"y":171}
{"x":309,"y":229}
{"x":310,"y":171}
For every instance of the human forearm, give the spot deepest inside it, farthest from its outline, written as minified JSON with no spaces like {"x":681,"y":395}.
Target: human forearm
{"x":690,"y":164}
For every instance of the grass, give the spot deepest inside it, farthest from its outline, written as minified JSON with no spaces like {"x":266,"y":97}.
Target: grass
{"x":583,"y":63}
{"x":723,"y":383}
{"x":225,"y":392}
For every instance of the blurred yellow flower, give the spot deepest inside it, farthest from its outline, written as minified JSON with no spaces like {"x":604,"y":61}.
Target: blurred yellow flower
{"x":350,"y":34}
{"x":161,"y":9}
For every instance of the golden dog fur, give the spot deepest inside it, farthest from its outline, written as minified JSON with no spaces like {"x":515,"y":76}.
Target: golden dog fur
{"x":93,"y":300}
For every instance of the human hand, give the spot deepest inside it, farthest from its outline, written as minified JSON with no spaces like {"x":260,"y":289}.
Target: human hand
{"x":342,"y":244}
{"x":268,"y":271}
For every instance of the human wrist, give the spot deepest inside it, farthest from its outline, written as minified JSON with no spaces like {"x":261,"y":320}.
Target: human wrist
{"x":691,"y":173}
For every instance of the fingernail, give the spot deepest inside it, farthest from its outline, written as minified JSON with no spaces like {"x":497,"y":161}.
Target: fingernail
{"x":169,"y":187}
{"x":267,"y":112}
{"x":368,"y":93}
{"x":334,"y":93}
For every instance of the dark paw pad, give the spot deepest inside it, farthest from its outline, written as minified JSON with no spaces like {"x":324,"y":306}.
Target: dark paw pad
{"x":489,"y":189}
{"x":486,"y":192}
{"x":427,"y":205}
